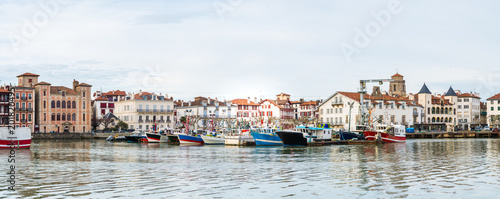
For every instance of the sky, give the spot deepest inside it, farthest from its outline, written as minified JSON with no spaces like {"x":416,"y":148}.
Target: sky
{"x":252,"y":48}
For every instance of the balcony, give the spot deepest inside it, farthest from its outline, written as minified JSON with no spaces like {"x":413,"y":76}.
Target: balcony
{"x":337,"y":102}
{"x":23,"y":121}
{"x":160,"y":121}
{"x":24,"y":98}
{"x":155,"y":111}
{"x":141,"y":121}
{"x":23,"y":109}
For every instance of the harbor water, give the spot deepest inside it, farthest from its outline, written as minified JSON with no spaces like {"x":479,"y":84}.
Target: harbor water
{"x":447,"y":168}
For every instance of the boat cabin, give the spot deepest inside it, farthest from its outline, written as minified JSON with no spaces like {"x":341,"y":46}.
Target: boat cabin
{"x":316,"y":133}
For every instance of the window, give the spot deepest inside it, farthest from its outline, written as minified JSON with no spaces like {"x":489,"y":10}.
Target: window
{"x":58,"y":117}
{"x":68,"y":105}
{"x":83,"y":117}
{"x":460,"y":107}
{"x":63,"y":105}
{"x":44,"y":116}
{"x":53,"y":104}
{"x":17,"y":95}
{"x":44,"y":93}
{"x":17,"y":105}
{"x":17,"y":117}
{"x":44,"y":104}
{"x":466,"y":106}
{"x":104,"y":105}
{"x":103,"y":111}
{"x":83,"y":94}
{"x":29,"y":96}
{"x":53,"y":118}
{"x":83,"y":105}
{"x":63,"y":117}
{"x":492,"y":109}
{"x":459,"y":100}
{"x":58,"y":104}
{"x":73,"y":105}
{"x":74,"y":117}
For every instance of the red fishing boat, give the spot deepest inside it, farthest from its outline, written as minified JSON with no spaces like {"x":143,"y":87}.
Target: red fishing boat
{"x":19,"y":137}
{"x":396,"y":133}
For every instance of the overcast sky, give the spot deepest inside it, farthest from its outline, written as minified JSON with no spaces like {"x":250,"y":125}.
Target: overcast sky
{"x":259,"y":48}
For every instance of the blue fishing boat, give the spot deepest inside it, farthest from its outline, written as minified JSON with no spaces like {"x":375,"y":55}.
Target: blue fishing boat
{"x":190,"y":140}
{"x":266,"y":137}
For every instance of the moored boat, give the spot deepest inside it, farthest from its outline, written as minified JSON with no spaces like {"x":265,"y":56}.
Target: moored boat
{"x":396,"y":133}
{"x":212,"y":140}
{"x":292,"y":138}
{"x":239,"y":138}
{"x":350,"y":136}
{"x":137,"y":136}
{"x":189,"y":140}
{"x":266,"y":137}
{"x":153,"y":137}
{"x":21,"y":137}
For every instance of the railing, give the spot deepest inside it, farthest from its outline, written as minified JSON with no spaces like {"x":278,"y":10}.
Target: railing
{"x":155,"y":110}
{"x":337,"y":102}
{"x":24,"y":98}
{"x":148,"y":120}
{"x":141,"y":121}
{"x":23,"y":121}
{"x":160,"y":121}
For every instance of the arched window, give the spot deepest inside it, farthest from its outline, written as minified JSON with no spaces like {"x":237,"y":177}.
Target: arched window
{"x":58,"y":117}
{"x":58,"y":105}
{"x":442,"y":119}
{"x":53,"y":118}
{"x":450,"y":120}
{"x":442,"y":111}
{"x":428,"y":120}
{"x":73,"y":105}
{"x":63,"y":118}
{"x":433,"y":119}
{"x":45,"y":129}
{"x":433,"y":110}
{"x":74,"y":117}
{"x":53,"y":104}
{"x":69,"y":104}
{"x":63,"y":105}
{"x":446,"y":120}
{"x":17,"y":105}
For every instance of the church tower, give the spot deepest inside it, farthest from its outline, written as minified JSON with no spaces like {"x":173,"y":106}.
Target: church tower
{"x":398,"y":86}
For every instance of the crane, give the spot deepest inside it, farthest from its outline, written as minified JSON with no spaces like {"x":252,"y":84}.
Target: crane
{"x":362,"y":91}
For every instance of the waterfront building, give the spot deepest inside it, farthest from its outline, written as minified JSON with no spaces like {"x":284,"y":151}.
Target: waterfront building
{"x":144,"y":110}
{"x":277,"y":112}
{"x":397,"y":87}
{"x":342,"y":110}
{"x":247,"y":110}
{"x":296,"y":108}
{"x":440,"y":110}
{"x":104,"y":103}
{"x":4,"y":106}
{"x":24,"y":101}
{"x":63,"y":109}
{"x":493,"y":111}
{"x":308,"y":110}
{"x":484,"y":114}
{"x":468,"y":110}
{"x":204,"y":109}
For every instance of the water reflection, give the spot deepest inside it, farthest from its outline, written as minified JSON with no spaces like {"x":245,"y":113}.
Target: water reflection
{"x":100,"y":169}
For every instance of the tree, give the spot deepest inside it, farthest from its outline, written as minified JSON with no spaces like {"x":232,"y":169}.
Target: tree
{"x":122,"y":125}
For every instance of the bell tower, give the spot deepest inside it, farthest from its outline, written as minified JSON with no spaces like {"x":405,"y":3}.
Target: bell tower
{"x":398,"y":86}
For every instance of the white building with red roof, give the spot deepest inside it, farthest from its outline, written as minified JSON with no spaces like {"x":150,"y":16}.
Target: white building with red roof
{"x":493,"y":110}
{"x":247,"y":110}
{"x":468,"y":110}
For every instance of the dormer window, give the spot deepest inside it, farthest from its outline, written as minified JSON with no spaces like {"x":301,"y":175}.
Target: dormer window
{"x":63,"y":93}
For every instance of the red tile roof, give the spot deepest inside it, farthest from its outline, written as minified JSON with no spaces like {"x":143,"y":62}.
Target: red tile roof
{"x":309,"y":103}
{"x":468,"y":95}
{"x":397,"y":75}
{"x":56,"y":89}
{"x":495,"y":97}
{"x":115,"y":93}
{"x":2,"y":90}
{"x":354,"y":96}
{"x":243,"y":102}
{"x":101,"y":99}
{"x":28,"y":74}
{"x":42,"y":83}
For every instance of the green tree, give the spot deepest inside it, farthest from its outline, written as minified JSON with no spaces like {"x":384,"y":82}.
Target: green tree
{"x":122,"y":125}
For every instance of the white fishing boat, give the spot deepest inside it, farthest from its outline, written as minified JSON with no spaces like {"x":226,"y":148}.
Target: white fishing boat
{"x":20,"y":137}
{"x":213,"y":139}
{"x":242,"y":137}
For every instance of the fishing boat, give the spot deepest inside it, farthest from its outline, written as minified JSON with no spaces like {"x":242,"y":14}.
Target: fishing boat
{"x":213,"y":139}
{"x":266,"y":137}
{"x":20,"y":137}
{"x":116,"y":138}
{"x":190,"y":139}
{"x":137,"y":136}
{"x":292,"y":138}
{"x":154,"y":137}
{"x":239,"y":137}
{"x":304,"y":135}
{"x":356,"y":135}
{"x":396,"y":133}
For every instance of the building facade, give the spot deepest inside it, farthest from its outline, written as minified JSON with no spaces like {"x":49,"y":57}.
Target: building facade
{"x":24,"y":100}
{"x":247,"y":110}
{"x":62,"y":109}
{"x":145,"y":110}
{"x":493,"y":111}
{"x":440,"y":110}
{"x":4,"y":106}
{"x":105,"y":103}
{"x":204,"y":110}
{"x":468,"y":110}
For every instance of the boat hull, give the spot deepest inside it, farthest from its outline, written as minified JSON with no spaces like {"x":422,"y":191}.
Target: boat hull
{"x":290,"y":138}
{"x":265,"y":139}
{"x":133,"y":138}
{"x":210,"y":140}
{"x":153,"y":138}
{"x":172,"y":139}
{"x":372,"y":135}
{"x":350,"y":136}
{"x":238,"y":140}
{"x":190,"y":140}
{"x":20,"y":139}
